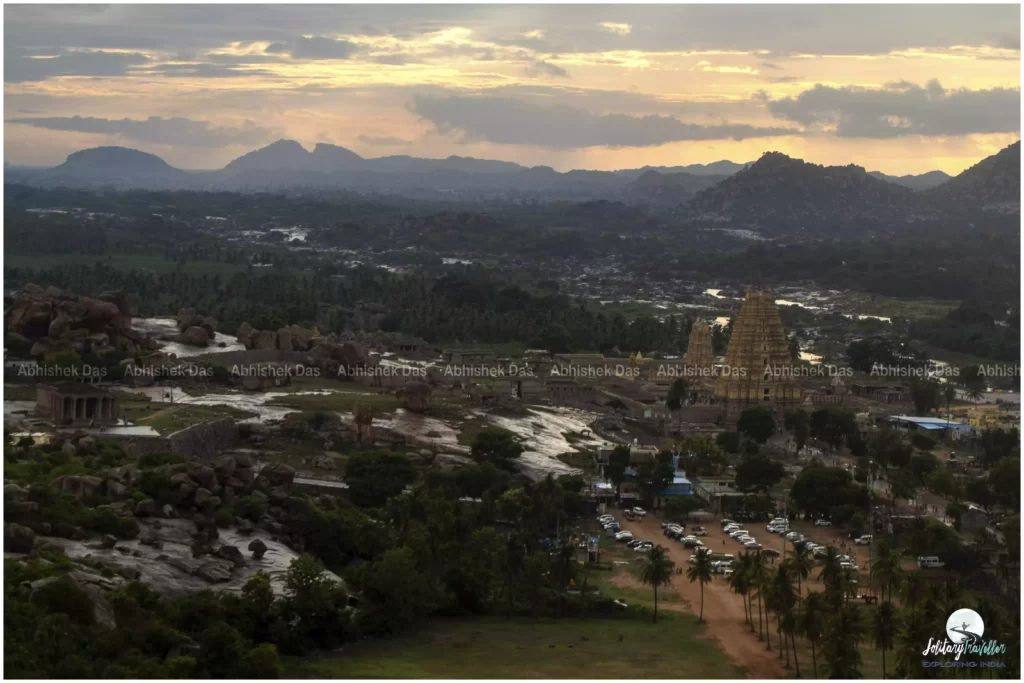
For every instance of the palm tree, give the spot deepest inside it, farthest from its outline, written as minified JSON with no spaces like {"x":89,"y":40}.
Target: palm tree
{"x":783,"y":599}
{"x":657,"y":572}
{"x":885,"y":568}
{"x":700,"y":571}
{"x":789,"y":628}
{"x":811,"y":622}
{"x":802,"y":562}
{"x":758,"y":576}
{"x":976,"y":394}
{"x":884,"y":629}
{"x":843,"y":635}
{"x":739,"y":582}
{"x":832,"y":574}
{"x":914,"y":629}
{"x":913,"y":589}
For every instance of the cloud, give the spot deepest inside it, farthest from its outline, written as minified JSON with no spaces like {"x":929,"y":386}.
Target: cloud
{"x":23,"y":65}
{"x":618,"y":29}
{"x":902,"y":108}
{"x":512,"y":122}
{"x":542,"y":68}
{"x":205,"y":70}
{"x":158,"y":130}
{"x":382,"y":140}
{"x":321,"y":47}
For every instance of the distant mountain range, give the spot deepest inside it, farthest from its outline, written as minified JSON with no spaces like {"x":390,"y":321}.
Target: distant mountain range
{"x":774,"y":185}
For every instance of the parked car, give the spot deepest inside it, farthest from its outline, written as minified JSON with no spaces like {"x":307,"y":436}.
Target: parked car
{"x":727,"y":522}
{"x":700,"y":531}
{"x":864,"y":540}
{"x":736,"y":533}
{"x":822,"y":522}
{"x":752,"y":545}
{"x":639,"y":512}
{"x":931,"y":562}
{"x":848,"y":566}
{"x":689,"y":541}
{"x":623,"y":536}
{"x":820,"y":552}
{"x":634,"y":543}
{"x":771,"y":552}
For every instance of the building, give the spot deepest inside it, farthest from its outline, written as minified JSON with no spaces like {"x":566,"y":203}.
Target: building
{"x":76,"y":403}
{"x":758,"y":369}
{"x":935,"y":426}
{"x":884,"y":393}
{"x":680,"y":486}
{"x":699,"y":359}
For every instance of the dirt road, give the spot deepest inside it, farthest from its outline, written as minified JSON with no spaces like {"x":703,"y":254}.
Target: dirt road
{"x":723,"y":609}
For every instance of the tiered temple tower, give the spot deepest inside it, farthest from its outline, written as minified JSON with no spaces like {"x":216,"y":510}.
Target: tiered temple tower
{"x":699,"y":358}
{"x":758,"y":368}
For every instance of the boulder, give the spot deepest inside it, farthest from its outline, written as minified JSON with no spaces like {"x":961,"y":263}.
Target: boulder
{"x":116,"y":489}
{"x":284,"y":339}
{"x":231,"y":554}
{"x":194,"y":336}
{"x":205,"y":476}
{"x":13,"y":492}
{"x":414,"y":396}
{"x":69,"y":448}
{"x":18,"y":538}
{"x":278,"y":474}
{"x":209,"y":324}
{"x":245,"y":335}
{"x":168,"y":510}
{"x":78,"y":485}
{"x":242,"y":459}
{"x":108,"y":541}
{"x":187,"y":318}
{"x":87,"y":442}
{"x":224,"y":467}
{"x":265,"y":339}
{"x":300,"y":337}
{"x":146,"y":507}
{"x":215,"y":571}
{"x":202,"y":497}
{"x":258,"y":548}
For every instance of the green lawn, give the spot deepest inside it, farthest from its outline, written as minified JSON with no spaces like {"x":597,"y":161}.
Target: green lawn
{"x":340,"y":401}
{"x":493,"y":647}
{"x":174,"y":418}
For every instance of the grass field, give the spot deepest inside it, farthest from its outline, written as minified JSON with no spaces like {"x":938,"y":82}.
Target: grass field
{"x":167,"y":420}
{"x":492,"y":647}
{"x":339,"y":401}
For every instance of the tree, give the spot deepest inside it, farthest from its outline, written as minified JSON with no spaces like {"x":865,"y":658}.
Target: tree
{"x":758,"y":473}
{"x":657,"y":571}
{"x":678,"y":394}
{"x":941,"y":482}
{"x":799,"y":423}
{"x":375,"y":476}
{"x":843,"y":635}
{"x":811,"y":622}
{"x":757,"y":423}
{"x":263,"y":662}
{"x":1004,"y":479}
{"x":926,"y":395}
{"x":497,"y":446}
{"x":728,"y":441}
{"x":819,"y":489}
{"x":700,"y":571}
{"x":615,"y":470}
{"x":884,"y":629}
{"x":833,"y":425}
{"x":802,"y":562}
{"x":886,"y":570}
{"x":678,"y":508}
{"x":739,"y":582}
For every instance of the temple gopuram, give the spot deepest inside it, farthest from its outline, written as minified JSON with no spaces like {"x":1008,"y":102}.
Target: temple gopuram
{"x":758,"y":368}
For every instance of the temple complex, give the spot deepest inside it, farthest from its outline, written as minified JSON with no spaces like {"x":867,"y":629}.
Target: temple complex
{"x":699,"y":358}
{"x":758,"y":367}
{"x":76,"y":403}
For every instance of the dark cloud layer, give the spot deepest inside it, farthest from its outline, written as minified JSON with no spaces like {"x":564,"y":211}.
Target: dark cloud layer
{"x":157,"y":130}
{"x":903,"y":109}
{"x":512,"y":122}
{"x":21,"y":65}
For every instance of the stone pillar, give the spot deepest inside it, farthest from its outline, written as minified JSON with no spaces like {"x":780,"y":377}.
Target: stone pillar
{"x":79,"y":408}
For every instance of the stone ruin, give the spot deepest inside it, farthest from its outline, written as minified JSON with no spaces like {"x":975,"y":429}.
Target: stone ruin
{"x":50,"y":320}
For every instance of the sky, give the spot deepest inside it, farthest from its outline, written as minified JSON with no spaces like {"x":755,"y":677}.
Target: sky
{"x":897,"y":88}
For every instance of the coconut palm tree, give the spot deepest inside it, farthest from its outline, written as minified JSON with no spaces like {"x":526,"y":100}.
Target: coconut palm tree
{"x":811,"y":622}
{"x":758,"y":572}
{"x":915,"y":628}
{"x":976,"y":394}
{"x":802,"y":563}
{"x":789,"y":628}
{"x":912,"y":590}
{"x":843,"y":635}
{"x":886,"y":571}
{"x":700,"y":571}
{"x":657,"y":571}
{"x":783,"y":600}
{"x":884,"y":629}
{"x":739,"y":582}
{"x":832,"y":575}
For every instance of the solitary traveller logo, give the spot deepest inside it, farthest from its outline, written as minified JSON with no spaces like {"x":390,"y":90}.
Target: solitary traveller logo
{"x":964,"y":631}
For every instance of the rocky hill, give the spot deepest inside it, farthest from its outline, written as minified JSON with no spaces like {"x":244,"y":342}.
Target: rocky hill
{"x":780,"y":188}
{"x":118,"y":166}
{"x":993,"y":182}
{"x":924,"y":181}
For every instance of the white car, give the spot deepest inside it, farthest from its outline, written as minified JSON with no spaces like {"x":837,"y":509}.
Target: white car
{"x":864,"y":540}
{"x":752,"y":545}
{"x":823,"y":522}
{"x":745,"y":539}
{"x":848,"y":566}
{"x":738,"y":532}
{"x":639,"y":512}
{"x":624,"y":536}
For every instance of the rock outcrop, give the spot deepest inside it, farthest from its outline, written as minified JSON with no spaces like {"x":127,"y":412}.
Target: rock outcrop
{"x":414,"y":396}
{"x":54,"y":320}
